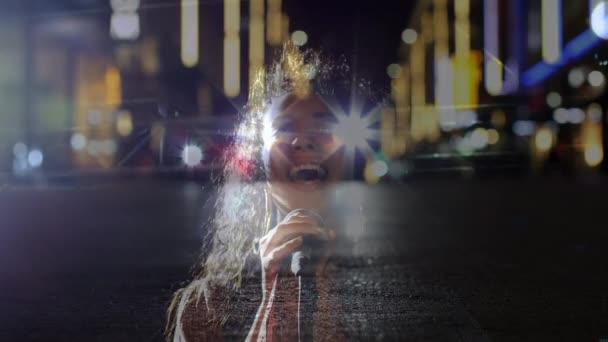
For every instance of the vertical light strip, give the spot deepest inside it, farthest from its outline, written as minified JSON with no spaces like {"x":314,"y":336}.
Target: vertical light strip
{"x":428,"y":124}
{"x":493,"y":67}
{"x":399,"y":124}
{"x":463,"y":28}
{"x":232,"y":48}
{"x":285,"y":36}
{"x":443,"y":87}
{"x":418,"y":101}
{"x":256,"y":40}
{"x":189,"y":32}
{"x":274,"y":27}
{"x":517,"y":52}
{"x":552,"y":30}
{"x":463,"y":82}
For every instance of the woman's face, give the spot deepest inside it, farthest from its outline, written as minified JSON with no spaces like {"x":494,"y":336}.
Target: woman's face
{"x":302,"y":155}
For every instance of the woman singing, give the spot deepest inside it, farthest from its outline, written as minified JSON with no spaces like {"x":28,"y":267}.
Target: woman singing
{"x":250,"y":285}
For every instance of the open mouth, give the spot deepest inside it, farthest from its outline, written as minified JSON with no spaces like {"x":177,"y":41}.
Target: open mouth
{"x":308,"y":173}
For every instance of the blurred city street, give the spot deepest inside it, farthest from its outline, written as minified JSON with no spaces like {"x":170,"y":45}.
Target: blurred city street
{"x":473,"y":132}
{"x":446,"y":260}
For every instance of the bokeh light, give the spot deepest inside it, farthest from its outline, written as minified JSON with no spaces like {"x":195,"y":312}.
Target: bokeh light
{"x":576,"y":115}
{"x":393,"y":71}
{"x":593,"y":155}
{"x":596,"y":78}
{"x":20,"y":150}
{"x":543,"y":139}
{"x":124,"y":26}
{"x":299,"y":38}
{"x":599,"y":20}
{"x":524,"y":128}
{"x":576,"y":77}
{"x":479,"y":138}
{"x":561,"y":115}
{"x":379,"y":168}
{"x":554,"y":99}
{"x":124,"y":123}
{"x":35,"y":158}
{"x":409,"y":36}
{"x":493,"y":136}
{"x":78,"y":142}
{"x":594,"y":113}
{"x":192,"y":155}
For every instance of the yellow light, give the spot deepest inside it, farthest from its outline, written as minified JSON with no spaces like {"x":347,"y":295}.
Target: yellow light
{"x":594,"y":154}
{"x":543,"y":139}
{"x":462,"y":27}
{"x":273,"y":30}
{"x":232,"y":80}
{"x":149,"y":56}
{"x":499,"y":118}
{"x":393,"y":71}
{"x":399,"y":118}
{"x":387,"y":132}
{"x":189,"y":32}
{"x":441,"y":29}
{"x":232,"y":51}
{"x":418,"y":88}
{"x":256,"y":42}
{"x":124,"y":123}
{"x":284,"y":27}
{"x":551,"y":30}
{"x":467,"y":77}
{"x":493,"y":136}
{"x":494,"y":81}
{"x":375,"y":170}
{"x":157,"y":133}
{"x":591,"y":140}
{"x":113,"y":86}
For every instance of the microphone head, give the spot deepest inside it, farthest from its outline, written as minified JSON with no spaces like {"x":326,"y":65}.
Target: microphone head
{"x":312,"y":247}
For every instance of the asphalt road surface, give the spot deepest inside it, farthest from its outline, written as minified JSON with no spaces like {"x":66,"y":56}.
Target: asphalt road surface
{"x":439,"y":260}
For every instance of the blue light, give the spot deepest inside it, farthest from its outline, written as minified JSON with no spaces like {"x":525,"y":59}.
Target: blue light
{"x":580,"y":45}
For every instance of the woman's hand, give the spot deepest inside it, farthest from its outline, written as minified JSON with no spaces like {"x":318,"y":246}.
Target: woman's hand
{"x":277,"y":246}
{"x":276,"y":249}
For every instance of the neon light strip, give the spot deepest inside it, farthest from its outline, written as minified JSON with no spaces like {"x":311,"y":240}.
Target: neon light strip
{"x":492,"y":65}
{"x":516,"y":56}
{"x":577,"y":47}
{"x":551,"y":30}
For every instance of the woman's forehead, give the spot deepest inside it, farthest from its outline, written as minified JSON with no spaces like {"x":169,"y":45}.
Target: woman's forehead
{"x":308,"y":108}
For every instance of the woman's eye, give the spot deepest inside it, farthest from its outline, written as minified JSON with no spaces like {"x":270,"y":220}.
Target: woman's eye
{"x":283,"y":132}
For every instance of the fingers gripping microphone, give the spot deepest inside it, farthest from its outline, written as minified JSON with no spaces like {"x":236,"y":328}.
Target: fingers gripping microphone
{"x":304,"y":260}
{"x":303,"y":263}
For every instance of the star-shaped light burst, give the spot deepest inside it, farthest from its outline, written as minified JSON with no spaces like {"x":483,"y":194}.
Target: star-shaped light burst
{"x":354,"y":129}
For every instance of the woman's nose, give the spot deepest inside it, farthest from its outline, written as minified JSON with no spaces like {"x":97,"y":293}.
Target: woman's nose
{"x":303,"y":143}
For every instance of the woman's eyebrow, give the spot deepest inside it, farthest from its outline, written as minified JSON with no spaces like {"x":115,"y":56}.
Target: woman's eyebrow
{"x":281,"y":120}
{"x":325,"y":116}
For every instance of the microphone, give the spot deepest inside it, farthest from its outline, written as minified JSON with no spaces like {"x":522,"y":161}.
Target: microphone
{"x":303,"y":263}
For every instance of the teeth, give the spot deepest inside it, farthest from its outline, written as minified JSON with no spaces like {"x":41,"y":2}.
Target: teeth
{"x":294,"y":171}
